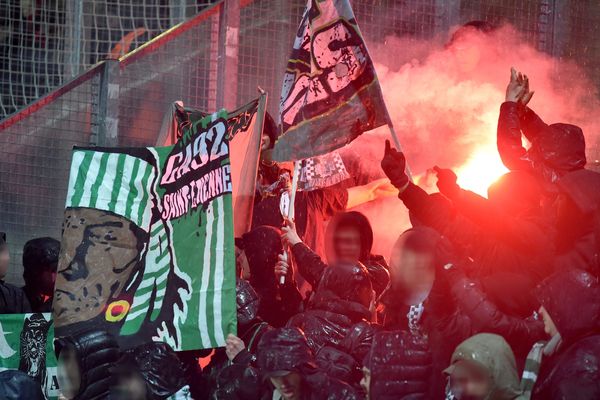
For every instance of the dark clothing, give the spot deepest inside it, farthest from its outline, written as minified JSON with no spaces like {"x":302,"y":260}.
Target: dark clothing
{"x":15,"y":385}
{"x":157,"y":364}
{"x":555,"y":149}
{"x":96,"y":353}
{"x":278,"y":303}
{"x":572,"y":299}
{"x":400,"y":365}
{"x":13,"y":300}
{"x":498,"y":242}
{"x":311,"y":210}
{"x":39,"y":303}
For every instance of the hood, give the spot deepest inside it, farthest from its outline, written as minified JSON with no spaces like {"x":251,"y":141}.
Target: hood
{"x":38,"y":255}
{"x":572,"y":299}
{"x":262,"y":246}
{"x":248,"y":304}
{"x":560,"y":148}
{"x":583,"y":188}
{"x":396,"y":359}
{"x":352,"y":219}
{"x":158,"y":364}
{"x":284,"y":349}
{"x":15,"y":385}
{"x":348,"y":282}
{"x":96,"y":351}
{"x":492,"y":353}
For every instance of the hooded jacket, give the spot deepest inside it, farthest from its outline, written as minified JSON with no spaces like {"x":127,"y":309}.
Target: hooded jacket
{"x":555,"y":149}
{"x":493,"y":354}
{"x":340,"y":301}
{"x":286,"y":349}
{"x":400,"y":365}
{"x":158,"y":365}
{"x":572,"y":299}
{"x":15,"y":385}
{"x":311,"y":266}
{"x":278,"y":303}
{"x":96,"y":353}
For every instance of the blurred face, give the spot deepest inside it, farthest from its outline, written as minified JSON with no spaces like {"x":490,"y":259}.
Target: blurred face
{"x":98,"y":256}
{"x":412,"y":274}
{"x":347,"y":245}
{"x":4,"y":261}
{"x":46,"y":280}
{"x":69,"y":378}
{"x":289,"y":385}
{"x":469,"y":382}
{"x":549,"y":326}
{"x":131,"y":387}
{"x":365,"y":382}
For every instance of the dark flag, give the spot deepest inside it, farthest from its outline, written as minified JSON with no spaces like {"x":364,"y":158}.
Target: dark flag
{"x":330,"y":93}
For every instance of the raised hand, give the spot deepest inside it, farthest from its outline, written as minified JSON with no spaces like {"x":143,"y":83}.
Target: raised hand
{"x":289,"y":235}
{"x":446,"y":182}
{"x":394,"y":165}
{"x":233,"y":346}
{"x":516,"y":86}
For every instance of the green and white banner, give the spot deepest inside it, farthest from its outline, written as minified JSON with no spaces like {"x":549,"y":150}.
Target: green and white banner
{"x":147,"y":248}
{"x":26,"y":344}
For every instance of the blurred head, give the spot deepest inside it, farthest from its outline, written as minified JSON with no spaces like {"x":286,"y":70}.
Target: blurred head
{"x":4,"y":256}
{"x":470,"y":381}
{"x":262,"y":246}
{"x":346,"y":281}
{"x":289,"y":384}
{"x":241,"y":261}
{"x":549,"y":326}
{"x":365,"y":382}
{"x":349,"y":238}
{"x":412,"y":263}
{"x":40,"y":260}
{"x":466,"y":42}
{"x":516,"y":193}
{"x":130,"y":385}
{"x":69,"y":373}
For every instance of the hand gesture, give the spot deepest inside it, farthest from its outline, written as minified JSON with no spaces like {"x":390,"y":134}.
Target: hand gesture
{"x":394,"y":165}
{"x":233,"y":346}
{"x":516,"y":86}
{"x":290,"y":237}
{"x":526,"y":95}
{"x":282,"y":268}
{"x":446,"y":182}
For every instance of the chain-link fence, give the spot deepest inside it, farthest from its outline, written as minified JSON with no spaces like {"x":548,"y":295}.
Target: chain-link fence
{"x":215,"y":59}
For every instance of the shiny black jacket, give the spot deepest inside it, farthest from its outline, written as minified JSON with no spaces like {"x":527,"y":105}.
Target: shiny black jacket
{"x":572,"y":299}
{"x":12,"y":300}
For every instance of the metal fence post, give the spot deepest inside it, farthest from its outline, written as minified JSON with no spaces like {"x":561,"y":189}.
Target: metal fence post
{"x":74,"y":37}
{"x":228,"y":54}
{"x":105,"y":123}
{"x":447,"y":14}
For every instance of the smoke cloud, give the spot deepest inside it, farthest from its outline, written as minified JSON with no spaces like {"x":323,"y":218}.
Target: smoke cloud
{"x":444,"y":101}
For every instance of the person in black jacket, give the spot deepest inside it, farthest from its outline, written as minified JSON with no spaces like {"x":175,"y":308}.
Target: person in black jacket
{"x":84,"y":363}
{"x":16,"y":385}
{"x":40,"y":260}
{"x":12,"y":299}
{"x":287,"y":363}
{"x":570,"y":361}
{"x":150,"y":371}
{"x":555,"y":149}
{"x":349,"y":238}
{"x":262,"y":248}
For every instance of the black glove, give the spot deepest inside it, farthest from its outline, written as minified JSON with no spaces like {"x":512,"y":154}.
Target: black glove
{"x":446,"y":182}
{"x":394,"y":165}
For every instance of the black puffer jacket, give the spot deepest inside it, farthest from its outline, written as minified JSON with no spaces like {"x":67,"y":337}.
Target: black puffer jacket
{"x":555,"y":149}
{"x":15,"y":385}
{"x":572,"y":299}
{"x":158,"y":365}
{"x":97,"y":351}
{"x":341,"y":300}
{"x":286,"y":349}
{"x":400,"y":365}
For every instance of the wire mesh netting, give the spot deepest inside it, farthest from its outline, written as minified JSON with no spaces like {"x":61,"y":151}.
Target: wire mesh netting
{"x":45,"y":43}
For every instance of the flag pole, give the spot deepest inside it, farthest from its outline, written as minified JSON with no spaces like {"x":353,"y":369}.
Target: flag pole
{"x":291,"y":209}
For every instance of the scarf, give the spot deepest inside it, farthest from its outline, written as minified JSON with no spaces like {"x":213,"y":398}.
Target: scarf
{"x":534,"y":361}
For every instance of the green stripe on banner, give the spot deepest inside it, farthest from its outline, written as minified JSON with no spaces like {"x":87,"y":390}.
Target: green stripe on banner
{"x":84,"y":167}
{"x":210,"y":311}
{"x":144,"y":200}
{"x":96,"y":186}
{"x":228,"y":309}
{"x":114,"y":195}
{"x":133,"y":192}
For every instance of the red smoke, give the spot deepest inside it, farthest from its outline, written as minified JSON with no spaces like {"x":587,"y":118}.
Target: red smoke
{"x":444,"y":101}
